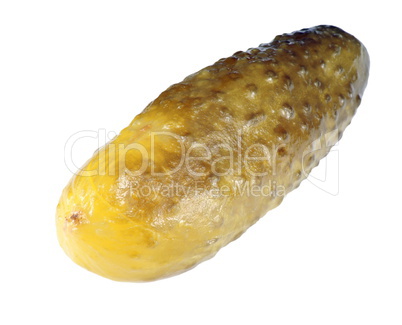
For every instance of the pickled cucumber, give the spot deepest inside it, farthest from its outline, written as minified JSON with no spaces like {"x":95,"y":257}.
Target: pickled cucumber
{"x":211,"y":155}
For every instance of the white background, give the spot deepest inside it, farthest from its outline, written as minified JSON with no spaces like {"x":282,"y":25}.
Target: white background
{"x":67,"y":66}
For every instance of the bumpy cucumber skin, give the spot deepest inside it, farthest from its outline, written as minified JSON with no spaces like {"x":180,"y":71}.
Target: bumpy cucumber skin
{"x":285,"y":95}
